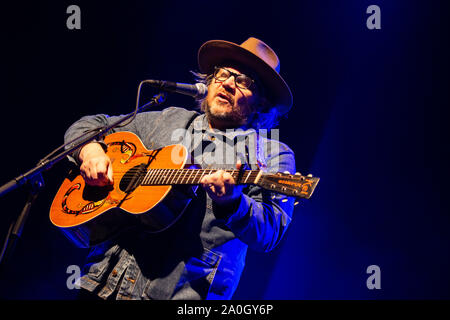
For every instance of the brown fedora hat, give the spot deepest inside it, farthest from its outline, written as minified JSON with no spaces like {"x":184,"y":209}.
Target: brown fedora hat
{"x":258,"y":57}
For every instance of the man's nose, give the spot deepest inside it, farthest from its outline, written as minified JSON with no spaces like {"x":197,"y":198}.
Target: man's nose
{"x":230,"y":84}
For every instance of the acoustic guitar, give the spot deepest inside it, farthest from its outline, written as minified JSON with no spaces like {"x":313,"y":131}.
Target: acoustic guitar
{"x":143,"y":180}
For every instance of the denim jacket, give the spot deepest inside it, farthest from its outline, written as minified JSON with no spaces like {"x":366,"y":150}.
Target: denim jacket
{"x":203,"y":254}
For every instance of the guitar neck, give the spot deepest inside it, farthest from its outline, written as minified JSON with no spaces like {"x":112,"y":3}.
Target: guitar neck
{"x":194,"y":176}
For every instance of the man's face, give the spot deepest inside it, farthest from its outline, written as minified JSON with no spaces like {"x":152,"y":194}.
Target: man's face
{"x":228,"y":105}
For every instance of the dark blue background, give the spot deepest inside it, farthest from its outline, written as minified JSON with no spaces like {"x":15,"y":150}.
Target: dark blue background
{"x":369,"y":118}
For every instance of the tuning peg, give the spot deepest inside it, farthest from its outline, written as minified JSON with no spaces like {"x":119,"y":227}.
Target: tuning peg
{"x":298,"y":174}
{"x":295,"y":203}
{"x":309,"y":175}
{"x":287,"y":172}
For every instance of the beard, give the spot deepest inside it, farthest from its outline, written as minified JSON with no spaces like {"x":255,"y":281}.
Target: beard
{"x":224,"y":117}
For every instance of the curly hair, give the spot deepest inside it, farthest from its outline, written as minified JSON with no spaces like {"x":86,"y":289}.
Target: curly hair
{"x":266,"y":114}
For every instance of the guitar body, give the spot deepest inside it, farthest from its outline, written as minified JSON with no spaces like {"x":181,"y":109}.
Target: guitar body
{"x":90,"y":215}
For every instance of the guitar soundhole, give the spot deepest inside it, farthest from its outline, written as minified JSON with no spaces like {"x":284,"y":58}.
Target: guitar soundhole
{"x":133,"y":178}
{"x":94,"y":194}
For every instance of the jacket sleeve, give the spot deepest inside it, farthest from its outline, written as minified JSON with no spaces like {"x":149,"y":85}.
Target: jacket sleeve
{"x":143,"y":125}
{"x":262,"y":216}
{"x":89,"y":123}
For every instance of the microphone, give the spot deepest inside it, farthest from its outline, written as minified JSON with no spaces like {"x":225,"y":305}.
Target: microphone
{"x":198,"y":90}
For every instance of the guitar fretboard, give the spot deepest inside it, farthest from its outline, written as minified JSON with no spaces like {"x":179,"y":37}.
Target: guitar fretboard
{"x":194,"y":176}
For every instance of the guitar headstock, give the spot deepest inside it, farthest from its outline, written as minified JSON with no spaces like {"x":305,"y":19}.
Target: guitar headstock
{"x":294,"y":185}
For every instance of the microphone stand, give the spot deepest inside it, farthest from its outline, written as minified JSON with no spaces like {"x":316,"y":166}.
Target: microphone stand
{"x":34,"y":179}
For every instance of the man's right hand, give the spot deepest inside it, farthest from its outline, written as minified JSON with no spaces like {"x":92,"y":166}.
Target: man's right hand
{"x":96,"y":167}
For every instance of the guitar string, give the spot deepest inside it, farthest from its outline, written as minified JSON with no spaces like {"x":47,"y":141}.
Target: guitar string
{"x":164,"y":176}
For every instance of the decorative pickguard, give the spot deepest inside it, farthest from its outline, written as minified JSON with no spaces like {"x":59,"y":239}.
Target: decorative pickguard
{"x":123,"y":147}
{"x":87,"y":208}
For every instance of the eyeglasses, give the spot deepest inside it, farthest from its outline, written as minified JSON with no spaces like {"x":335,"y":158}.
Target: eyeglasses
{"x":241,"y":80}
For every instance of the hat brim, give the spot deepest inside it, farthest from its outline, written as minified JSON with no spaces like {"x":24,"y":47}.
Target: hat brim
{"x":215,"y":52}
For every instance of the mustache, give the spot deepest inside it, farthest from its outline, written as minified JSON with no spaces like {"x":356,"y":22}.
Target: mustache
{"x":226,"y":95}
